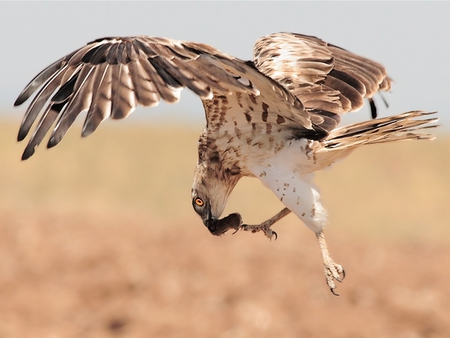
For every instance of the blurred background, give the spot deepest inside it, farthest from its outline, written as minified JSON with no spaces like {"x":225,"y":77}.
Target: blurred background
{"x":98,"y":237}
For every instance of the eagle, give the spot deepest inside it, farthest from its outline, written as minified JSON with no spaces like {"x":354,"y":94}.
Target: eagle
{"x":275,"y":117}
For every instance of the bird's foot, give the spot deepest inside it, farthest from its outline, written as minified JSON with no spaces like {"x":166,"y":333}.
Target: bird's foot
{"x":265,"y":226}
{"x":333,"y":271}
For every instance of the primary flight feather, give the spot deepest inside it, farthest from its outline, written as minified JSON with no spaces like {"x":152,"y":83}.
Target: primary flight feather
{"x":274,"y":117}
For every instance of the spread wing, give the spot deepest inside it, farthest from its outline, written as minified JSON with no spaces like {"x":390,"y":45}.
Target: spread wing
{"x":327,"y":79}
{"x":109,"y":77}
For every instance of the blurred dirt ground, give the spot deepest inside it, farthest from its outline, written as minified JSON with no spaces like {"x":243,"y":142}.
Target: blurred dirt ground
{"x":102,"y":276}
{"x":98,"y":239}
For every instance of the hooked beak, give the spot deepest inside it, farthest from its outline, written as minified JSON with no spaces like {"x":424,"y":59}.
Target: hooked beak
{"x":218,"y":227}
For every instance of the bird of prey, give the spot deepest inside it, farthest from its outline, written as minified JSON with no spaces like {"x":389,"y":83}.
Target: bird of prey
{"x":274,"y":117}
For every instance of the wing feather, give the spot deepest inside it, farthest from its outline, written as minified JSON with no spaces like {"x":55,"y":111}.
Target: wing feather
{"x":346,"y":90}
{"x":123,"y":100}
{"x":47,"y":119}
{"x":323,"y":76}
{"x":81,"y":100}
{"x":144,"y":88}
{"x":39,"y":102}
{"x":165,"y":90}
{"x":100,"y":107}
{"x":109,"y":77}
{"x":38,"y":81}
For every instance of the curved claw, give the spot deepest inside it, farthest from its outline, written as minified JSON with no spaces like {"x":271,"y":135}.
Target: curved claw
{"x":274,"y":234}
{"x":269,"y":233}
{"x":340,"y":279}
{"x":334,"y":272}
{"x":343,"y":276}
{"x":334,"y":293}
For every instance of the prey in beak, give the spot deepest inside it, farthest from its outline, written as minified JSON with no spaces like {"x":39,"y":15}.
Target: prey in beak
{"x":218,"y":227}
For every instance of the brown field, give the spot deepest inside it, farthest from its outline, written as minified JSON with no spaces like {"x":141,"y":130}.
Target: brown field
{"x":98,"y":239}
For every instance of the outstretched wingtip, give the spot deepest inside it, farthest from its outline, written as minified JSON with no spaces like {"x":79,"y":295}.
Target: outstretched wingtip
{"x":37,"y":81}
{"x":28,"y":152}
{"x":53,"y":141}
{"x":21,"y":135}
{"x":26,"y":93}
{"x":20,"y":99}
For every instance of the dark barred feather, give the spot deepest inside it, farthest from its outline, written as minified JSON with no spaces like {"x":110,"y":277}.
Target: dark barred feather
{"x":305,"y":81}
{"x":323,"y":76}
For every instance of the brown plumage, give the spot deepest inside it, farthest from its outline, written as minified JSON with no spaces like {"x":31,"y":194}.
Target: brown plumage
{"x":274,"y":117}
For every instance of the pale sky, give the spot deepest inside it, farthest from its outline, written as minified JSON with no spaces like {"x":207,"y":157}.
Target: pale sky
{"x":412,"y":39}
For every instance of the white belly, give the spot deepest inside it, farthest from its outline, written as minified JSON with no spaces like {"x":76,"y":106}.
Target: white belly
{"x":288,"y":174}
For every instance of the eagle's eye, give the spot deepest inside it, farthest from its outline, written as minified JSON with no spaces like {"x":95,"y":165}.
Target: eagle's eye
{"x":199,"y":202}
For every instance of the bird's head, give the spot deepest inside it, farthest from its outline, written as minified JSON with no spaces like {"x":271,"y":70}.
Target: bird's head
{"x":209,"y":196}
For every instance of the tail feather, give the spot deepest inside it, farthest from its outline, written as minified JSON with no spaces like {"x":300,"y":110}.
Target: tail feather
{"x":343,"y":141}
{"x":407,"y":126}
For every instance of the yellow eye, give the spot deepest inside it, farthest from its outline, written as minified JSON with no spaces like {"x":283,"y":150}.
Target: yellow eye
{"x":198,"y":201}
